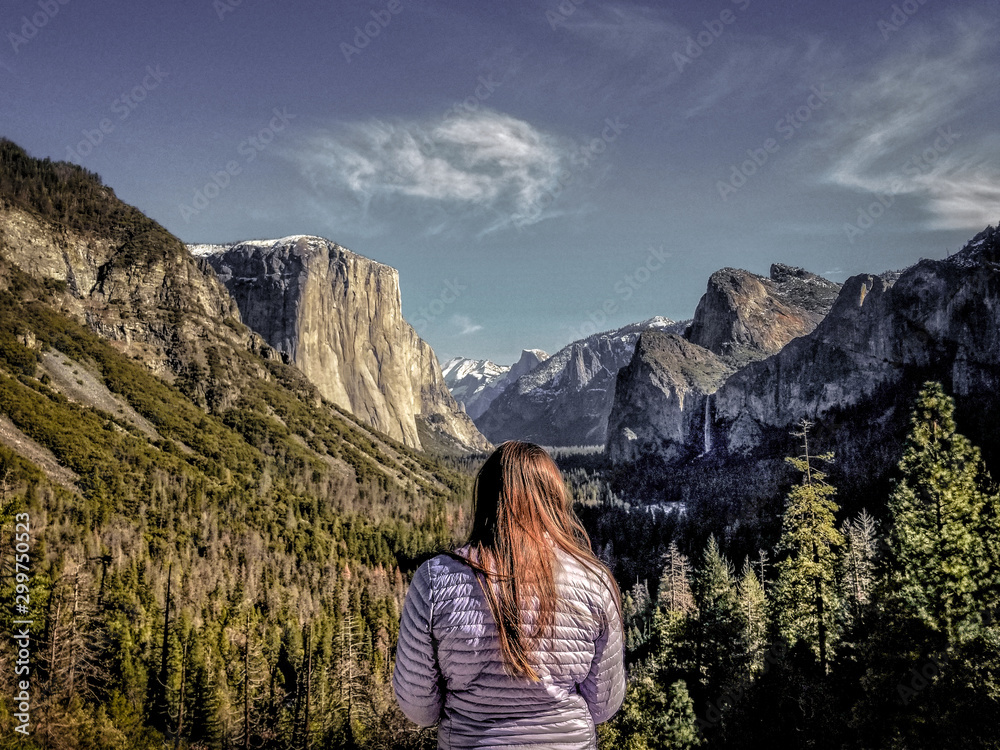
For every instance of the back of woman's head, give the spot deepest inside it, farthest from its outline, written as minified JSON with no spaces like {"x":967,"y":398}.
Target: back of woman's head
{"x":519,"y":493}
{"x":522,"y":514}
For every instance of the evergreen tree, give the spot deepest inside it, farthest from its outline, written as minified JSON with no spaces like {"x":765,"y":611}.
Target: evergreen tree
{"x":653,"y":718}
{"x":753,"y":609}
{"x":718,"y":626}
{"x":636,"y":606}
{"x":944,"y":530}
{"x":806,"y":597}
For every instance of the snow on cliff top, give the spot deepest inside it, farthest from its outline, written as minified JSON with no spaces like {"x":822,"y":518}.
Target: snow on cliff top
{"x":201,"y":250}
{"x":312,"y":242}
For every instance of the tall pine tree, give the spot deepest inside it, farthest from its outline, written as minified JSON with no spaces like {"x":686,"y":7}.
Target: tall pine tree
{"x":674,"y":592}
{"x":718,"y":627}
{"x":806,"y":599}
{"x":753,"y":610}
{"x":943,"y":533}
{"x":859,"y":563}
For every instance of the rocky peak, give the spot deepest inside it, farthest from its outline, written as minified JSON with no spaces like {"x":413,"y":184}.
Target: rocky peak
{"x":937,"y":319}
{"x":121,"y":274}
{"x":477,"y":383}
{"x":566,"y":399}
{"x":745,"y":317}
{"x":529,"y":360}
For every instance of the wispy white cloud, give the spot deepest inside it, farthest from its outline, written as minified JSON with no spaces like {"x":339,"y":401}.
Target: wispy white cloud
{"x":705,"y":67}
{"x":913,"y":126}
{"x":485,"y":160}
{"x":739,"y":78}
{"x":465,"y":325}
{"x":627,"y":30}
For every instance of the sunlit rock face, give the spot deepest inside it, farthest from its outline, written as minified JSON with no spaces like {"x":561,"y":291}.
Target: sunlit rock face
{"x":662,"y":399}
{"x":744,"y":317}
{"x":337,"y":316}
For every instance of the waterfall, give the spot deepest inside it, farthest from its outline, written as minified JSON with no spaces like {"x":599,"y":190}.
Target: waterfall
{"x":708,"y":425}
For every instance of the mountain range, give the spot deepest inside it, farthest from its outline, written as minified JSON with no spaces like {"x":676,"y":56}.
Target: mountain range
{"x":852,"y":375}
{"x":566,"y":400}
{"x":84,"y":262}
{"x":475,"y":383}
{"x":759,"y":354}
{"x":661,"y":404}
{"x":570,"y":399}
{"x":184,"y":486}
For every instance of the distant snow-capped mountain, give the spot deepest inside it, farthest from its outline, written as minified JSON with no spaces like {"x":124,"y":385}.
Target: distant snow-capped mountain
{"x":475,"y":383}
{"x":566,"y":400}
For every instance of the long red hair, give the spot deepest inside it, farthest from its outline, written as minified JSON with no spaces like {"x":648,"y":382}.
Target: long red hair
{"x":522,"y":513}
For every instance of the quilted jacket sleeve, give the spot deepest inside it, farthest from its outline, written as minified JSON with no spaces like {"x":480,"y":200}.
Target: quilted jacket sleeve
{"x":604,"y":686}
{"x":417,"y":676}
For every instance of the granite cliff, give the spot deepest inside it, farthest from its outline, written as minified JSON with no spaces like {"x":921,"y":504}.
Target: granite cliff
{"x":854,"y":375}
{"x":124,"y":276}
{"x":101,"y":311}
{"x":744,"y":317}
{"x":664,"y":405}
{"x":938,"y":319}
{"x":337,"y":316}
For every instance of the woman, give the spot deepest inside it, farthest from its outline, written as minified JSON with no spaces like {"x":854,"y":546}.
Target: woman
{"x":516,"y":639}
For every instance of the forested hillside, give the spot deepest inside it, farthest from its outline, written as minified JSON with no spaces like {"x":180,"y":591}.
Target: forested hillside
{"x":217,"y":556}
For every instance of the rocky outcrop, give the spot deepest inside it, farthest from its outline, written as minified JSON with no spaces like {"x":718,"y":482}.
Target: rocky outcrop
{"x":143,"y":291}
{"x":567,"y":399}
{"x":337,"y":316}
{"x":527,"y":362}
{"x":662,"y":403}
{"x":663,"y":406}
{"x":938,"y":319}
{"x":475,"y":383}
{"x":471,"y":382}
{"x":71,"y":253}
{"x":123,"y":300}
{"x":744,"y":317}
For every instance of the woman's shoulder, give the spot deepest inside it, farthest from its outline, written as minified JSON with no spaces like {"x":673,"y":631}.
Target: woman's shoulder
{"x":445,"y":570}
{"x":583,"y":575}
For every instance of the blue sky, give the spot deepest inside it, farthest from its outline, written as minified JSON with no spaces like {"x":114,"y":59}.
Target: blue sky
{"x":535,"y":170}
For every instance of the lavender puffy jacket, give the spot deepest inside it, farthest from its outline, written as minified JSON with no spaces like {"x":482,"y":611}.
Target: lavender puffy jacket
{"x":448,"y":664}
